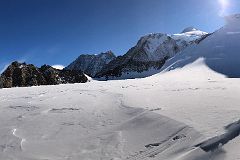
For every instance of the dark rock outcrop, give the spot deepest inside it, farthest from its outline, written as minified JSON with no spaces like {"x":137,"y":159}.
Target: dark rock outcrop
{"x":51,"y":75}
{"x":127,"y":65}
{"x":1,"y":82}
{"x":23,"y":75}
{"x":54,"y":76}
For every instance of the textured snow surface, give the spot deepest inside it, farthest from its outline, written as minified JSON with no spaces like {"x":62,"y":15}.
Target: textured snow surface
{"x":155,"y":118}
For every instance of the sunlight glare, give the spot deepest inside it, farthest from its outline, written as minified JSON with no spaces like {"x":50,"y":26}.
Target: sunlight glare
{"x":224,"y":4}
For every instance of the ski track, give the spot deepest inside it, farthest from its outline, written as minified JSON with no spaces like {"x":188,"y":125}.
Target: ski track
{"x":22,"y":139}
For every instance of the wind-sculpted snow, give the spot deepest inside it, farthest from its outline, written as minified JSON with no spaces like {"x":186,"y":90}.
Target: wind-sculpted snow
{"x":232,"y":131}
{"x":213,"y":148}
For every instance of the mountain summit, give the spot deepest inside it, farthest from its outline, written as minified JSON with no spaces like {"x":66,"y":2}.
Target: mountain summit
{"x":91,"y":64}
{"x":189,"y":29}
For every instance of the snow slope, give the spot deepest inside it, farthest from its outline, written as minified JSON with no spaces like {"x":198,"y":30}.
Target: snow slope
{"x":160,"y":117}
{"x":219,"y":50}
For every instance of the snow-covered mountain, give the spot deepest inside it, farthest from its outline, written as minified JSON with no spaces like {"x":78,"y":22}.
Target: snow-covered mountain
{"x":220,"y":50}
{"x":188,"y":36}
{"x":150,"y":54}
{"x":91,"y":64}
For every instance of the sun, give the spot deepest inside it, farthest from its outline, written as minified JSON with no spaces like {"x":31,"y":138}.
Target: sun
{"x":224,"y":4}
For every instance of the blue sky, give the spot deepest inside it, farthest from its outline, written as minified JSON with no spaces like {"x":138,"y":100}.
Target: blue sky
{"x":58,"y":31}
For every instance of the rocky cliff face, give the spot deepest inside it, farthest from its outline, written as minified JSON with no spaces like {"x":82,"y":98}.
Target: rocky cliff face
{"x":22,"y":75}
{"x":54,"y":76}
{"x":1,"y":82}
{"x":91,"y":64}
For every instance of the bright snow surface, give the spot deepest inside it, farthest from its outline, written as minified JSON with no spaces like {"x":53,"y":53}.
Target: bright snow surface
{"x":154,"y":118}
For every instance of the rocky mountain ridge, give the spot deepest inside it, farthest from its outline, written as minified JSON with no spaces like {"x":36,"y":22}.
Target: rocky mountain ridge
{"x":91,"y":64}
{"x":23,"y":75}
{"x":150,"y":53}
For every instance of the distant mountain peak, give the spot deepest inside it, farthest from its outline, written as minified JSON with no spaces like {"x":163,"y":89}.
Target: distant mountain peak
{"x":90,"y":64}
{"x":108,"y":52}
{"x":189,"y":29}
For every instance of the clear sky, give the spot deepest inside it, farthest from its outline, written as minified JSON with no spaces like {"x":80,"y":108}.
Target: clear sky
{"x":58,"y":31}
